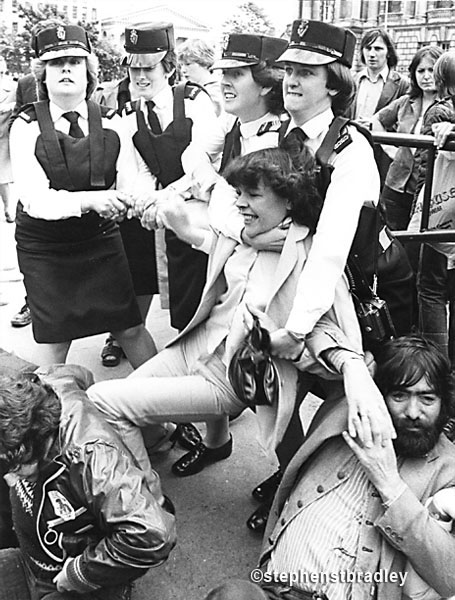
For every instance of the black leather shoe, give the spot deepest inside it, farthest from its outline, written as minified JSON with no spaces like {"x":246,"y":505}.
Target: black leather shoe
{"x":194,"y":461}
{"x":187,"y":436}
{"x":266,"y":490}
{"x":258,"y":520}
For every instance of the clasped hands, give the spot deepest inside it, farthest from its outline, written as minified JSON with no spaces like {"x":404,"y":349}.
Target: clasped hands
{"x":151,"y":208}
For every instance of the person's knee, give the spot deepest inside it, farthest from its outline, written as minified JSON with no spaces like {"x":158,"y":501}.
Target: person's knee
{"x":101,"y":394}
{"x":129,"y":335}
{"x":237,"y":589}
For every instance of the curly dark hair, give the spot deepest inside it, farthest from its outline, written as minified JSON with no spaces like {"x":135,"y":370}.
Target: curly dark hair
{"x":406,"y":360}
{"x":29,"y":417}
{"x":291,"y":178}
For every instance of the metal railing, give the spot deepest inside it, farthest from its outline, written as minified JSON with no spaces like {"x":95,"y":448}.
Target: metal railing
{"x":426,"y":142}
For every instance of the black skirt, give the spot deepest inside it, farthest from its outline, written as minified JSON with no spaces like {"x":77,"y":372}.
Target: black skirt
{"x":76,"y":289}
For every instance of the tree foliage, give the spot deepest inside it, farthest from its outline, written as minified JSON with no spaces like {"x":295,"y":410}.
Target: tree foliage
{"x":249,"y":17}
{"x":16,"y":48}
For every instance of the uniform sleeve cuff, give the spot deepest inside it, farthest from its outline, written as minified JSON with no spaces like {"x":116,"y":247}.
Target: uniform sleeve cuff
{"x":76,"y":578}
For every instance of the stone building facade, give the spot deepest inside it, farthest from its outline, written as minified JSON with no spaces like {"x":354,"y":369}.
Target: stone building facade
{"x":411,"y":23}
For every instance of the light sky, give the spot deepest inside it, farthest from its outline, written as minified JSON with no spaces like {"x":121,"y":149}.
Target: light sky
{"x":210,"y":12}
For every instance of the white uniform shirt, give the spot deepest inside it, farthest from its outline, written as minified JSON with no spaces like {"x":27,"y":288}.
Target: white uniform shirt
{"x":354,"y":182}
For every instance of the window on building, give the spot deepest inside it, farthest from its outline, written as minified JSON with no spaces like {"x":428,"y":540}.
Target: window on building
{"x":442,"y":3}
{"x":327,"y":10}
{"x":390,"y":6}
{"x":14,"y":4}
{"x":14,"y":27}
{"x":1,"y":5}
{"x":94,"y":15}
{"x":364,"y":10}
{"x":84,"y":16}
{"x":74,"y":11}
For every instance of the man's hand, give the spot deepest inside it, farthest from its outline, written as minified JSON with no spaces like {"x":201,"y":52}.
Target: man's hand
{"x":368,"y":417}
{"x":61,"y":580}
{"x":380,"y":465}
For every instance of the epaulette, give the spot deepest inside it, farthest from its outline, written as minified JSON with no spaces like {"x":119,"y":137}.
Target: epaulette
{"x":130,"y":107}
{"x":268,"y":126}
{"x":344,"y":139}
{"x":27,"y":113}
{"x":108,"y":113}
{"x":192,"y":90}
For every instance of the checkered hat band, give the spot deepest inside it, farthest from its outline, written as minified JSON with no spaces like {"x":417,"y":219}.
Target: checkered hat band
{"x":62,"y":44}
{"x":149,"y":50}
{"x":316,"y":48}
{"x":240,"y":55}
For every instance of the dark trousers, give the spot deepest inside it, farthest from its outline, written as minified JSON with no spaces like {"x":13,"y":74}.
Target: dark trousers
{"x":436,"y":292}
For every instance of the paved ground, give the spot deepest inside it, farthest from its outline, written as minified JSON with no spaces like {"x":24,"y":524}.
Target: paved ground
{"x":213,"y":541}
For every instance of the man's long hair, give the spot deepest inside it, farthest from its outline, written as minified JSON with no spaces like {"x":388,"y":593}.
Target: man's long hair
{"x":406,"y":360}
{"x":371,"y":36}
{"x":29,"y":417}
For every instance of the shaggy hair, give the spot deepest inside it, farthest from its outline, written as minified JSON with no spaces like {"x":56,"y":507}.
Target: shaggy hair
{"x":29,"y":416}
{"x":371,"y":36}
{"x":38,"y":68}
{"x":406,"y":360}
{"x":291,"y":179}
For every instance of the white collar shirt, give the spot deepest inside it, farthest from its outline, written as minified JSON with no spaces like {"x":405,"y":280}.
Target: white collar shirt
{"x":369,"y":92}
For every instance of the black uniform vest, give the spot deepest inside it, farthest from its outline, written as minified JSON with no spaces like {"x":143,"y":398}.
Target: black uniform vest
{"x":162,"y":153}
{"x":73,"y":164}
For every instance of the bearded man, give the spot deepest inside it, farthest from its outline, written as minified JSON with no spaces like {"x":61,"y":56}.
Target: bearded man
{"x":349,"y":520}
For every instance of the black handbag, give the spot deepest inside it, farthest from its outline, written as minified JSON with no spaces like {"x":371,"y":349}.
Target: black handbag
{"x":252,"y":372}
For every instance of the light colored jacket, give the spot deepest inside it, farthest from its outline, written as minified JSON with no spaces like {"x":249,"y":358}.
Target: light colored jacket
{"x":274,"y":420}
{"x":407,"y":532}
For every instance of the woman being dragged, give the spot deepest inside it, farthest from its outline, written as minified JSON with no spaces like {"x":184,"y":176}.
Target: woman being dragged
{"x":187,"y":380}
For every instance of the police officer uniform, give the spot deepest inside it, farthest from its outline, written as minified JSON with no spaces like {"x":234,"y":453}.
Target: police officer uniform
{"x":240,"y":51}
{"x":74,"y":266}
{"x":161,"y":129}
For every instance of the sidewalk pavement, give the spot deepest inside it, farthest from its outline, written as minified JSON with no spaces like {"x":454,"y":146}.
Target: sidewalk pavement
{"x":214,"y":543}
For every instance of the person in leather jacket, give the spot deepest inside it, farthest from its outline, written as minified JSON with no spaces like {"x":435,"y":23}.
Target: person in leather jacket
{"x":86,"y":520}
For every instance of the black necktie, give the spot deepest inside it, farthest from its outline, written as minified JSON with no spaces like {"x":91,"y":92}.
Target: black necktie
{"x":232,"y":146}
{"x":152,"y":118}
{"x":294,"y":141}
{"x":75,"y":131}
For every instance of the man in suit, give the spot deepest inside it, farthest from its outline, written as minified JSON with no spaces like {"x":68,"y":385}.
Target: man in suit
{"x":348,"y":517}
{"x":377,"y":84}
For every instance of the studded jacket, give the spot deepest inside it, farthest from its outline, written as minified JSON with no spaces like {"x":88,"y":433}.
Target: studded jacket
{"x":91,"y":506}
